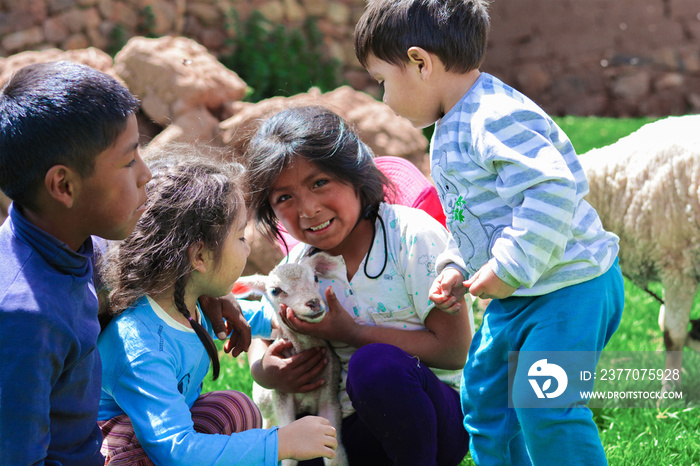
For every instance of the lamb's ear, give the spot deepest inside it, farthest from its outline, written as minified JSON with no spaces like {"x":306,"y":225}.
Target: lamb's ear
{"x":249,"y":285}
{"x":324,"y":264}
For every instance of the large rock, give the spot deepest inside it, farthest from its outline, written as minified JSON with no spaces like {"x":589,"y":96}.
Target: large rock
{"x":174,"y":76}
{"x":378,"y":126}
{"x":264,"y":255}
{"x":90,"y":56}
{"x":195,"y":126}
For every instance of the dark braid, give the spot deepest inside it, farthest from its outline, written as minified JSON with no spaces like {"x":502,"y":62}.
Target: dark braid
{"x":204,"y":337}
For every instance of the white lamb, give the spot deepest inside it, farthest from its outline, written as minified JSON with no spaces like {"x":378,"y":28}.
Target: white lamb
{"x":646,"y":188}
{"x":296,"y":285}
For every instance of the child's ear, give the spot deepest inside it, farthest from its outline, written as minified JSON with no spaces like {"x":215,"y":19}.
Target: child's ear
{"x":422,"y":59}
{"x":199,"y":256}
{"x":63,"y":184}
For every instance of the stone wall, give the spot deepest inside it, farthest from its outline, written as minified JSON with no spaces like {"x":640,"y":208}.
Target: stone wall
{"x":578,"y":57}
{"x":600,"y":57}
{"x":76,"y":24}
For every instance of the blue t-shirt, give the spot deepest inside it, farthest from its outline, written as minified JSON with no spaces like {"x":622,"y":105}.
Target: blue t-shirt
{"x":153,"y":368}
{"x":50,"y":377}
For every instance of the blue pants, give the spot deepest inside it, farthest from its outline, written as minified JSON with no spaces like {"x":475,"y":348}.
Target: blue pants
{"x":405,"y":414}
{"x":582,"y":317}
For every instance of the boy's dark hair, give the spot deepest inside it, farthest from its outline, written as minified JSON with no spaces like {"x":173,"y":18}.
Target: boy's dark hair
{"x":322,"y":138}
{"x":58,"y":113}
{"x":191,"y":198}
{"x":454,"y":30}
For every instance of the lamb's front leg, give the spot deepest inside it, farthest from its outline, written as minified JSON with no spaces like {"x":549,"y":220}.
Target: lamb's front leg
{"x":285,"y":414}
{"x":330,"y":409}
{"x":265,"y":399}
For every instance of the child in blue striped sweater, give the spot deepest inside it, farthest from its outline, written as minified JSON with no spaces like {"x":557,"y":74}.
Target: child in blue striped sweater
{"x":513,"y":192}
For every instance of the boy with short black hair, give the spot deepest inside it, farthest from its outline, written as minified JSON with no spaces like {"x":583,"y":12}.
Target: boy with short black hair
{"x":513,"y":191}
{"x":70,"y":162}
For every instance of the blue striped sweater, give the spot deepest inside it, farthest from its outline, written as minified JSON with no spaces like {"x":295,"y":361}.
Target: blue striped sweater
{"x":513,"y":192}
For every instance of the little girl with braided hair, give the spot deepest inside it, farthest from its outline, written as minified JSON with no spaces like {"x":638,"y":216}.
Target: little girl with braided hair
{"x":157,"y":347}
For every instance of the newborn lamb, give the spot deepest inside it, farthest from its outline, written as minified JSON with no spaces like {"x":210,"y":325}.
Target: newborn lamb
{"x":296,"y":285}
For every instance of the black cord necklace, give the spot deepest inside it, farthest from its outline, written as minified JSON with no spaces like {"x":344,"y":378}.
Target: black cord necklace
{"x":372,"y":214}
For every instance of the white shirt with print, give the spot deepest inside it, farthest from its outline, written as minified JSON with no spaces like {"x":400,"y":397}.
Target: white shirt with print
{"x":398,"y":298}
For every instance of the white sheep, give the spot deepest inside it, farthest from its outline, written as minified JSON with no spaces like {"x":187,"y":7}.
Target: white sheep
{"x":296,"y":285}
{"x":646,"y":189}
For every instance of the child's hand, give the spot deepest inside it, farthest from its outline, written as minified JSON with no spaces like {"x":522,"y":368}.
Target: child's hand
{"x":337,"y":325}
{"x":295,"y":374}
{"x":307,"y":438}
{"x":226,"y":307}
{"x":448,"y":290}
{"x":485,"y":284}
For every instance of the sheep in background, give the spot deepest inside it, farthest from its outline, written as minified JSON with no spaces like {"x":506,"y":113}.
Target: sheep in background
{"x":296,"y":285}
{"x":646,"y":189}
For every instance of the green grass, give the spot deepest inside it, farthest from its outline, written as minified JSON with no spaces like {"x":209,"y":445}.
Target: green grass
{"x":588,"y":133}
{"x":631,"y":436}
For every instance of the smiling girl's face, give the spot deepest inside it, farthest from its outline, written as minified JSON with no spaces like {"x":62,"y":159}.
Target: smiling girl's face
{"x":316,"y":208}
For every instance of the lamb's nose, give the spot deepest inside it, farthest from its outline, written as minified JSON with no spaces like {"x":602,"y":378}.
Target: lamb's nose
{"x":314,"y":304}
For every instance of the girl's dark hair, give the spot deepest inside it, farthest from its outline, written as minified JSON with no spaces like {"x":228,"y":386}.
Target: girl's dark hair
{"x":57,"y":113}
{"x":191,"y":198}
{"x":321,"y":137}
{"x":454,"y":30}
